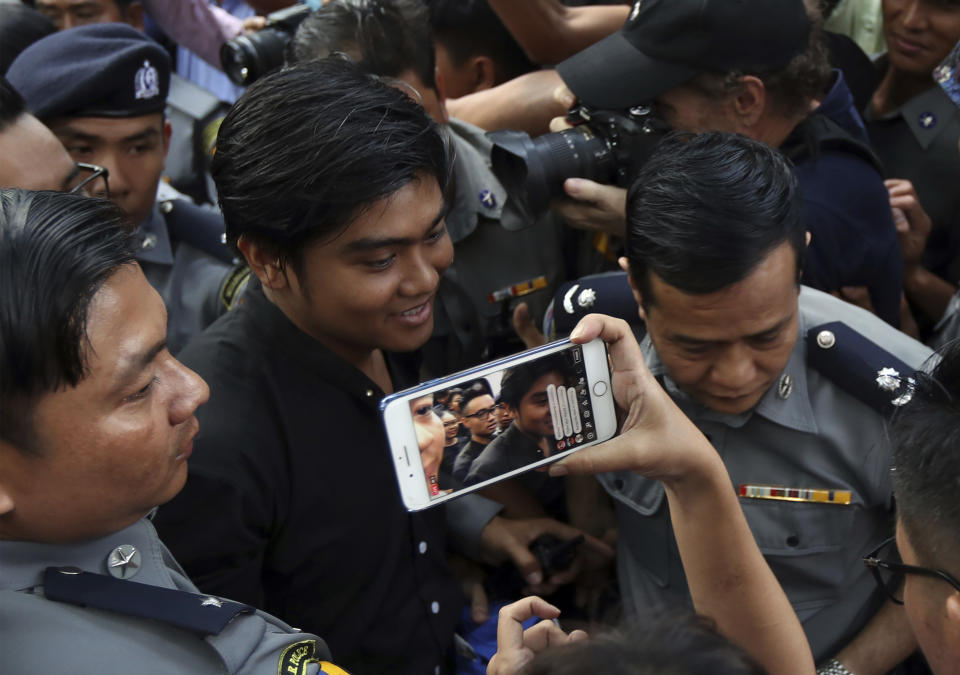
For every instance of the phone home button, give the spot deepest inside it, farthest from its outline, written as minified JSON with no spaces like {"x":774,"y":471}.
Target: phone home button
{"x":600,"y":388}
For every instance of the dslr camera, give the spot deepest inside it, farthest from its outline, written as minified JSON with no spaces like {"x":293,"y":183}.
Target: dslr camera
{"x":605,"y":146}
{"x":248,"y":57}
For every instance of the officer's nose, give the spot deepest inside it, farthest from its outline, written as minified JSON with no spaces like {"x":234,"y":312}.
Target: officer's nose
{"x":191,"y":392}
{"x":735,"y":370}
{"x":119,"y":185}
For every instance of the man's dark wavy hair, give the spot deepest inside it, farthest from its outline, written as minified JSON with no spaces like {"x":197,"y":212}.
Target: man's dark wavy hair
{"x":56,"y":251}
{"x":307,"y":149}
{"x":706,"y":209}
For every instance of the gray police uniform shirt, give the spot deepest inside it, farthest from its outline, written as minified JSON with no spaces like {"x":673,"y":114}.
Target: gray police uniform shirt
{"x":42,"y":635}
{"x":495,"y":249}
{"x":193,"y":283}
{"x":816,"y":437}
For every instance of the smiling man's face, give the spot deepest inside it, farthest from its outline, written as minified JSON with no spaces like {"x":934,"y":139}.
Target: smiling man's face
{"x":373,"y":286}
{"x":920,"y":33}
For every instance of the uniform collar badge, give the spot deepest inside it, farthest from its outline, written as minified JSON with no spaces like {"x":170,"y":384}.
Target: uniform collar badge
{"x":785,"y":387}
{"x":488,"y":199}
{"x":146,"y":83}
{"x":927,"y":120}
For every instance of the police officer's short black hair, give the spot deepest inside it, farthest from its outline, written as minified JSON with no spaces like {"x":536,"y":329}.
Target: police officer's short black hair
{"x":925,"y":436}
{"x":306,"y":149}
{"x":12,"y":105}
{"x":385,"y":37}
{"x":706,"y":209}
{"x":56,"y":251}
{"x":467,"y":28}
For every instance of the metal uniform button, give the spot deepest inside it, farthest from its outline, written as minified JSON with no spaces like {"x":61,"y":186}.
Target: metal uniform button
{"x":166,"y":207}
{"x":435,"y":607}
{"x":369,"y":393}
{"x":826,"y":339}
{"x":149,"y":242}
{"x":422,"y":547}
{"x":124,"y":562}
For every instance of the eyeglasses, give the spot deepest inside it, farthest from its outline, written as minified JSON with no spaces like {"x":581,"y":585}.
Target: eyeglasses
{"x":90,"y":180}
{"x":888,"y":570}
{"x":483,"y":412}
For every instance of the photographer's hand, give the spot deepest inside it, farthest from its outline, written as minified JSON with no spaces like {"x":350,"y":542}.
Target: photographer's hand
{"x":593,"y":206}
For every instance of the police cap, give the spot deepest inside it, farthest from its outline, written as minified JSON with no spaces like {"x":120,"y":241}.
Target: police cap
{"x":98,"y":70}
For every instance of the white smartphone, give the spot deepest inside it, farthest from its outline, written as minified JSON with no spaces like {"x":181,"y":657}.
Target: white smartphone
{"x":521,"y":412}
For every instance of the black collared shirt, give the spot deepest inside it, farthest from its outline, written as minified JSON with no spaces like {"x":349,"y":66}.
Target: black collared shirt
{"x":292,"y":505}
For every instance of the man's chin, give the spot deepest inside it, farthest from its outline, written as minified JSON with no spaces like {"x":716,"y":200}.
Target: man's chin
{"x":732,"y":405}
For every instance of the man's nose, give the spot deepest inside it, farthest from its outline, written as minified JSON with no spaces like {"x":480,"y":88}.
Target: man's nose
{"x":735,"y":369}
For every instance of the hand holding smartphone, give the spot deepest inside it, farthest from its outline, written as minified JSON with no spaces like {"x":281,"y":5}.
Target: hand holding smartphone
{"x":560,"y":399}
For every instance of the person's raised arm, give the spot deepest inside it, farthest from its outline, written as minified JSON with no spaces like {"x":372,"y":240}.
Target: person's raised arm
{"x":728,"y":578}
{"x":550,"y":32}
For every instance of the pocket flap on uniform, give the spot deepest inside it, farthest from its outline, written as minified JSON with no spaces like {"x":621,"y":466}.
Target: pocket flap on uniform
{"x":643,"y":495}
{"x":797,"y":528}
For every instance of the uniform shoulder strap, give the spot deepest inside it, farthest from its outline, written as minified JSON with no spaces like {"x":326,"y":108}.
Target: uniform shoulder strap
{"x":200,"y":227}
{"x":202,"y":614}
{"x":859,"y":366}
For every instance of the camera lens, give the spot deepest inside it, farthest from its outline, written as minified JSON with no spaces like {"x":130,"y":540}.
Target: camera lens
{"x":532,"y":170}
{"x":248,"y":57}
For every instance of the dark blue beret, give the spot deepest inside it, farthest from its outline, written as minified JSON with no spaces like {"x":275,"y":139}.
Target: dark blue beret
{"x":98,"y":70}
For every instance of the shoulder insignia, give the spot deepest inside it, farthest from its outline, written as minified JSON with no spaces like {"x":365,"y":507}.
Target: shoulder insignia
{"x":607,"y":293}
{"x":859,"y":366}
{"x":234,"y":285}
{"x":295,"y":658}
{"x":202,"y":228}
{"x":200,"y":614}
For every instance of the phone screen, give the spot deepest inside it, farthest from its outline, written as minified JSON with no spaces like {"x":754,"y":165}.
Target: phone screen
{"x":473,"y":429}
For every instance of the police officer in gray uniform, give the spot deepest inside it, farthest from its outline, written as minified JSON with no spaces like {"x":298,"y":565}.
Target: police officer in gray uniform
{"x":101,"y":89}
{"x":96,"y":426}
{"x":789,"y":384}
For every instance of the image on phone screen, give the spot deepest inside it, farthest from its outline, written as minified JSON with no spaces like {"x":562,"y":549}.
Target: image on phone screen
{"x":489,"y":423}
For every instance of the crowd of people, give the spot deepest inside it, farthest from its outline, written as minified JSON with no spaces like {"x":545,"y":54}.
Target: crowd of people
{"x":209,"y":283}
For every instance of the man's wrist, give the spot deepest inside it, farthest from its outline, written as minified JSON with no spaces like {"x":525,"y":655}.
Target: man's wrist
{"x":833,"y":667}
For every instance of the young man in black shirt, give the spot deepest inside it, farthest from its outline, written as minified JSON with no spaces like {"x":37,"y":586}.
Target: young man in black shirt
{"x":344,"y":231}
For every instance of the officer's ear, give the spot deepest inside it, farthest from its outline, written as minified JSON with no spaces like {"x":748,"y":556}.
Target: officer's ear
{"x":6,"y":496}
{"x":167,"y":133}
{"x":809,"y":237}
{"x":483,"y":72}
{"x":264,"y":263}
{"x":625,"y":266}
{"x":133,"y":15}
